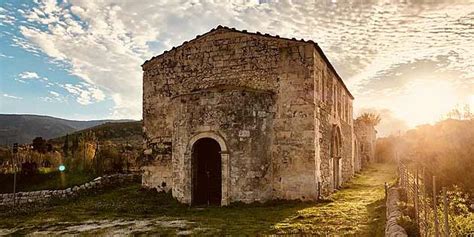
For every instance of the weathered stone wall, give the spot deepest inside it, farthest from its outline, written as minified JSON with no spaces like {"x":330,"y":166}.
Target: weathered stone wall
{"x":244,"y":119}
{"x":263,"y":96}
{"x":42,"y":196}
{"x":158,"y":173}
{"x":392,"y":228}
{"x":347,"y":170}
{"x":293,"y":150}
{"x":366,"y":137}
{"x":335,"y":111}
{"x":216,"y":84}
{"x":357,"y":155}
{"x":221,"y":60}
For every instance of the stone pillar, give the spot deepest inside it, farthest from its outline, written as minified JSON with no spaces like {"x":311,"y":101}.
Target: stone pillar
{"x":188,"y":181}
{"x":226,"y":199}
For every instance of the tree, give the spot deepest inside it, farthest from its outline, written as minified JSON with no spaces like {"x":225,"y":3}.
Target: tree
{"x":467,"y":112}
{"x":75,"y":146}
{"x":66,"y":146}
{"x":460,"y":114}
{"x":454,"y":114}
{"x":369,"y":119}
{"x":39,"y":145}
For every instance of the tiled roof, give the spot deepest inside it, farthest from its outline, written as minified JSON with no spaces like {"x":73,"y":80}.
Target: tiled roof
{"x":320,"y":51}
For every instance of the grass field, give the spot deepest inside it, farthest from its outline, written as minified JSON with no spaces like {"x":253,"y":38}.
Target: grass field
{"x":355,"y":210}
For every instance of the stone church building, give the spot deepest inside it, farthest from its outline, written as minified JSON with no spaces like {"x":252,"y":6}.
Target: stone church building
{"x":236,"y":116}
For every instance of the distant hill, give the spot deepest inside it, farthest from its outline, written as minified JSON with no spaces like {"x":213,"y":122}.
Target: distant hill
{"x":117,"y":132}
{"x":23,"y":128}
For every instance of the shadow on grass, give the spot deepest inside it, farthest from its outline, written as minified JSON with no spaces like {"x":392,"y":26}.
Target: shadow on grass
{"x":377,"y":218}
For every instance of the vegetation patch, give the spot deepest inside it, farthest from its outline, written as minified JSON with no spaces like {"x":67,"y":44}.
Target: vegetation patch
{"x":355,"y":210}
{"x":43,"y":181}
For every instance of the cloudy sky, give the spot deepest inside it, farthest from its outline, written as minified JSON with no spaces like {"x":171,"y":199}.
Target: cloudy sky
{"x":411,"y":61}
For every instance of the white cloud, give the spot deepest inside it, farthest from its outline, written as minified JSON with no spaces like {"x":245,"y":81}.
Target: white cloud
{"x":6,"y":18}
{"x":105,"y":42}
{"x":12,"y":97}
{"x":84,"y":93}
{"x":19,"y":80}
{"x":5,"y":56}
{"x":54,"y":93}
{"x":25,"y":76}
{"x":54,"y":97}
{"x":28,"y":75}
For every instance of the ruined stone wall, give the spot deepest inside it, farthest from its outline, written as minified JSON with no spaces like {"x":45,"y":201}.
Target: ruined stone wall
{"x":366,"y":136}
{"x":254,"y":91}
{"x":357,"y":155}
{"x":44,"y":196}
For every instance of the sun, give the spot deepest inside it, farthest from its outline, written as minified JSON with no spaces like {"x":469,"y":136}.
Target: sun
{"x":425,"y":101}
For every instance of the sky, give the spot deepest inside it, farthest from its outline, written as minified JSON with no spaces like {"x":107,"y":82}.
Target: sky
{"x":410,"y":61}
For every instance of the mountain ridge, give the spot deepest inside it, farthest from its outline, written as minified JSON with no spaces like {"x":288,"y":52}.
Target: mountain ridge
{"x":23,"y":128}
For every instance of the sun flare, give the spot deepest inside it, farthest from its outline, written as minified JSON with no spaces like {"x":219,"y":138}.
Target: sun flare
{"x":425,"y":101}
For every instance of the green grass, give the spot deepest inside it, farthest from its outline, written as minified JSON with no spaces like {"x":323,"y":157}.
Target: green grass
{"x":356,"y":210}
{"x":43,"y":181}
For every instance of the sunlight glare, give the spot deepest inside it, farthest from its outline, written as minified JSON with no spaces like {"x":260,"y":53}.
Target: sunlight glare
{"x":426,"y":101}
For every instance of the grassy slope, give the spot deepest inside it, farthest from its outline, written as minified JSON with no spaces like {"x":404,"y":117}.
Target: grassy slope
{"x":114,"y":131}
{"x":355,"y":210}
{"x":23,"y":128}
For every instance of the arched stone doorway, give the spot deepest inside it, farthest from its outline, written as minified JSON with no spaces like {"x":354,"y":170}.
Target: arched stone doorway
{"x":225,"y":166}
{"x":336,"y":146}
{"x":206,"y":165}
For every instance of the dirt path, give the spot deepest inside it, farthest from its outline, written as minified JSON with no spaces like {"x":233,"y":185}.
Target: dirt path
{"x":355,"y":210}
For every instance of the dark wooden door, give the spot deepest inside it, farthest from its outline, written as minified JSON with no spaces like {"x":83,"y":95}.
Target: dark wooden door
{"x":207,"y":172}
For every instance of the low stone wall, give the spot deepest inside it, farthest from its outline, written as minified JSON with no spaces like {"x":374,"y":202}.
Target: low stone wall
{"x":392,"y":228}
{"x":43,"y":196}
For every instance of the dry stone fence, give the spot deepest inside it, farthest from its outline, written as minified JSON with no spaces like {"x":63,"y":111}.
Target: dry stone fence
{"x":43,"y":196}
{"x":392,"y":228}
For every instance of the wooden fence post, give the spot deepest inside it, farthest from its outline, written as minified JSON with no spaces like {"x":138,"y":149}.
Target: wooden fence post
{"x":407,"y":178}
{"x":446,"y":214}
{"x":435,"y":212}
{"x":425,"y":203}
{"x":402,"y":173}
{"x":417,"y":209}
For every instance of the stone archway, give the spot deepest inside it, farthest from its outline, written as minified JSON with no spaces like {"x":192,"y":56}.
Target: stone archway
{"x":212,"y":146}
{"x":336,"y":156}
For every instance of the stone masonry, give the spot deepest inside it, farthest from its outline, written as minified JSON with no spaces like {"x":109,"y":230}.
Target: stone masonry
{"x":279,"y":111}
{"x":365,"y":137}
{"x":43,"y":196}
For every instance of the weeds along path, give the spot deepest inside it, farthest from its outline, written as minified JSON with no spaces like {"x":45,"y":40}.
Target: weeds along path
{"x":358,"y":210}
